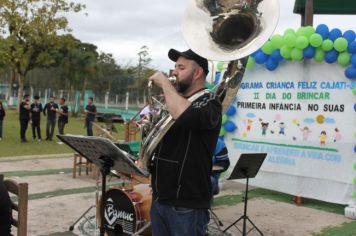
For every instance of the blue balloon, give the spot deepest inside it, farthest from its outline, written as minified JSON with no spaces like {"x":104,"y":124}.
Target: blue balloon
{"x":353,"y":60}
{"x":350,"y":72}
{"x":334,"y":34}
{"x":331,"y":56}
{"x":355,"y":106}
{"x":271,"y":64}
{"x":349,"y":35}
{"x":276,"y":55}
{"x":231,"y":111}
{"x":309,"y":52}
{"x":261,"y":57}
{"x":229,"y":126}
{"x":352,"y":47}
{"x":323,"y":30}
{"x":255,"y":52}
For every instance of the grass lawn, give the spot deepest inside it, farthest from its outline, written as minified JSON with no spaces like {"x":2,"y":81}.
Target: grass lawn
{"x":10,"y":145}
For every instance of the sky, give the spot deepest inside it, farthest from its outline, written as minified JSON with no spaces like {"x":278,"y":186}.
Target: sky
{"x":122,"y":27}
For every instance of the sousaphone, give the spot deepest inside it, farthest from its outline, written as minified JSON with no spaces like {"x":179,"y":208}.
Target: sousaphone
{"x":220,"y":30}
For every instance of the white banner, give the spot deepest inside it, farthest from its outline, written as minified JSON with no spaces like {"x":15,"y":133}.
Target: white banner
{"x":302,"y":115}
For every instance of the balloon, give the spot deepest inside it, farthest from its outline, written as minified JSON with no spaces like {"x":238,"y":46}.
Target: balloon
{"x":296,"y":54}
{"x":323,"y":30}
{"x":340,"y":44}
{"x":349,"y":35}
{"x":250,"y":62}
{"x":331,"y":56}
{"x":289,"y":31}
{"x":290,"y":40}
{"x":222,"y":131}
{"x":354,"y":194}
{"x":277,"y":41}
{"x":353,"y":60}
{"x":301,"y":31}
{"x":271,"y":64}
{"x":261,"y":57}
{"x":229,"y":126}
{"x":301,"y":42}
{"x":354,"y":165}
{"x":255,"y":52}
{"x":334,"y":34}
{"x":224,"y":119}
{"x":352,"y":47}
{"x":316,"y":40}
{"x":231,"y":111}
{"x":350,"y":73}
{"x":344,"y":59}
{"x":309,"y":52}
{"x":267,"y":48}
{"x":319,"y":55}
{"x":355,"y":180}
{"x":286,"y":52}
{"x":354,"y":91}
{"x":309,"y":30}
{"x":276,"y":55}
{"x":220,"y":66}
{"x":327,"y":45}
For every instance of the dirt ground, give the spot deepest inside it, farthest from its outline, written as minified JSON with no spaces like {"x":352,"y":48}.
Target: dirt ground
{"x":49,"y":214}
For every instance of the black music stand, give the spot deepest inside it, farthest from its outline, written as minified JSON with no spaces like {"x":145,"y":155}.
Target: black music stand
{"x":107,"y":156}
{"x":247,"y":167}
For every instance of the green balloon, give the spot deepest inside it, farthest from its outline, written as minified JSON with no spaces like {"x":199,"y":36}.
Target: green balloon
{"x":344,"y":59}
{"x":355,"y":180}
{"x":267,"y":48}
{"x":301,"y":42}
{"x":301,"y":31}
{"x":297,"y":54}
{"x":277,"y":41}
{"x":354,"y":194}
{"x":220,"y":66}
{"x":319,"y":55}
{"x":224,"y":119}
{"x":340,"y":44}
{"x":286,"y":52}
{"x":250,"y":62}
{"x":354,"y":91}
{"x":316,"y":40}
{"x":354,"y":165}
{"x":327,"y":45}
{"x":309,"y":31}
{"x":290,"y":40}
{"x":289,"y":31}
{"x":222,"y":132}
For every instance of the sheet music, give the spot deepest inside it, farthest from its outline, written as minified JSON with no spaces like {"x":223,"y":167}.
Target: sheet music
{"x":93,"y":148}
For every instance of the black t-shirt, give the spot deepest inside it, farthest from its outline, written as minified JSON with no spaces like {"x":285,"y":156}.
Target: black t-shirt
{"x":36,"y":110}
{"x":63,"y":118}
{"x":24,"y":112}
{"x":5,"y":210}
{"x":182,"y":162}
{"x":47,"y":110}
{"x":91,"y":108}
{"x":2,"y":113}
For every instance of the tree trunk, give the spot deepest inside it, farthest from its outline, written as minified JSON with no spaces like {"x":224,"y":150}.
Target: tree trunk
{"x":21,"y":82}
{"x":72,"y":102}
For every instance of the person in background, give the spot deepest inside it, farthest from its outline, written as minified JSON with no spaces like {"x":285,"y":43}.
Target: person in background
{"x":90,"y":111}
{"x":36,"y":109}
{"x":221,"y":163}
{"x":63,"y":115}
{"x":24,"y":116}
{"x":2,"y":115}
{"x":50,"y":110}
{"x":5,"y":211}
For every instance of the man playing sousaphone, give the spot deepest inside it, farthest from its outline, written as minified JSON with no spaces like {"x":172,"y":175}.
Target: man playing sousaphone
{"x":182,"y":161}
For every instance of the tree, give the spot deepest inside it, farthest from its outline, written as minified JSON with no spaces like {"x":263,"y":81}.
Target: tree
{"x":30,"y":29}
{"x":144,"y":59}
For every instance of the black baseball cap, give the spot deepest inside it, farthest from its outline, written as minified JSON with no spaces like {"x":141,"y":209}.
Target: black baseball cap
{"x":189,"y":54}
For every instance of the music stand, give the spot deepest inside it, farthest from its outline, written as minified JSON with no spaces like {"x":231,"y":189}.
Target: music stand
{"x":247,"y":167}
{"x":106,"y":155}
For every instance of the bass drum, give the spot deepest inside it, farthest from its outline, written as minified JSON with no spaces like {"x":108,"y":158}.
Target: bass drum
{"x":127,"y":211}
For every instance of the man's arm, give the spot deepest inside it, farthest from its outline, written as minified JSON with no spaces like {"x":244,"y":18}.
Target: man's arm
{"x":176,"y":104}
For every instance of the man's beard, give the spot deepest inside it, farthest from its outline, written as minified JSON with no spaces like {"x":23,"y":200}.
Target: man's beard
{"x":182,"y":86}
